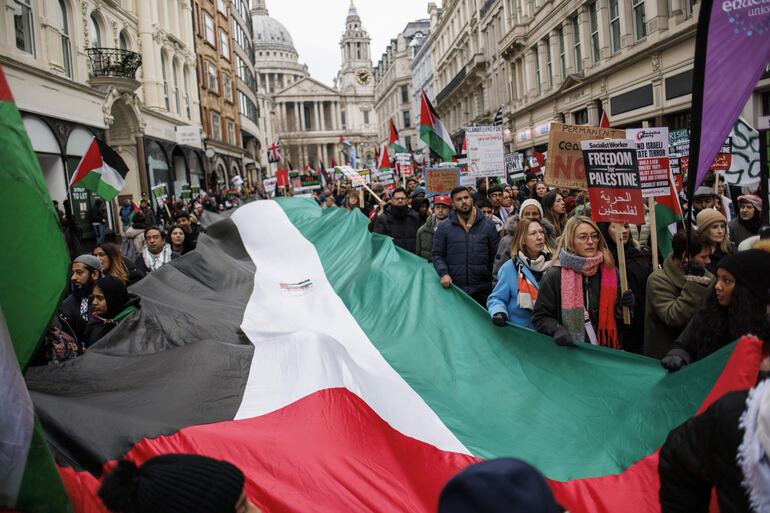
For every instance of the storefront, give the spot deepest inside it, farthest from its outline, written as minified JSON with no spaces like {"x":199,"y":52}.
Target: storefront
{"x":173,"y":165}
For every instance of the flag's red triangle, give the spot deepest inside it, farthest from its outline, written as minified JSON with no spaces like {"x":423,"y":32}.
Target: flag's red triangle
{"x":91,"y":160}
{"x":5,"y":90}
{"x":605,"y":122}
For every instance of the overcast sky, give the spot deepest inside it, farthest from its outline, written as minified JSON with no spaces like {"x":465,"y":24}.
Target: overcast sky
{"x":317,"y":25}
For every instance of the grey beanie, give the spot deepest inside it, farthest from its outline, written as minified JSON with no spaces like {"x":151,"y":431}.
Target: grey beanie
{"x":89,"y":260}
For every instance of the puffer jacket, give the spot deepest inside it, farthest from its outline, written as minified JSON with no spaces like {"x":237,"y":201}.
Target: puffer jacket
{"x":467,"y":257}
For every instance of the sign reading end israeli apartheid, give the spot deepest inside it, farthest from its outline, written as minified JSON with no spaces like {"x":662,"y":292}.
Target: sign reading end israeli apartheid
{"x":565,"y":157}
{"x":441,"y":180}
{"x":612,"y":174}
{"x":652,"y":156}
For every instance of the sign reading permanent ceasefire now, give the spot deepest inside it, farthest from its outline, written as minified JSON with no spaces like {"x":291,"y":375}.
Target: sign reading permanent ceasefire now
{"x":614,"y":187}
{"x":565,"y":157}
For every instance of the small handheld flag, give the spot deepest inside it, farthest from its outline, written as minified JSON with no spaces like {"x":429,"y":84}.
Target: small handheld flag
{"x":101,"y":170}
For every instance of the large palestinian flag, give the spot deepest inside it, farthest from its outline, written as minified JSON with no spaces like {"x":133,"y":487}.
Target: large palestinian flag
{"x":335,"y":370}
{"x":101,"y":170}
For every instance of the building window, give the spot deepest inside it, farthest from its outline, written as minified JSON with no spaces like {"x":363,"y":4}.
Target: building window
{"x":94,"y":33}
{"x":227,"y":87}
{"x":230,"y":132}
{"x":216,"y":127}
{"x":615,"y":25}
{"x":581,"y":117}
{"x":66,"y":44}
{"x":343,"y":119}
{"x":548,"y":61}
{"x":577,"y":50}
{"x":175,"y":71}
{"x":407,"y":118}
{"x":593,"y":18}
{"x":408,"y":142}
{"x":222,"y":7}
{"x":640,"y":19}
{"x":186,"y":92}
{"x":366,"y":117}
{"x":208,"y":29}
{"x":404,"y":94}
{"x":224,"y":44}
{"x":22,"y":22}
{"x":536,"y":50}
{"x":164,"y":74}
{"x":123,"y":41}
{"x":562,"y":55}
{"x":213,"y":82}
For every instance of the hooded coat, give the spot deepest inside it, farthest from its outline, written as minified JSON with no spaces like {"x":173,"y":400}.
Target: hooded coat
{"x":425,"y":238}
{"x":466,"y":256}
{"x":403,"y":230}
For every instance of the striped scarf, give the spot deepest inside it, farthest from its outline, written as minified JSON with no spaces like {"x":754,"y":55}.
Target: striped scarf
{"x":572,"y":299}
{"x":527,"y":288}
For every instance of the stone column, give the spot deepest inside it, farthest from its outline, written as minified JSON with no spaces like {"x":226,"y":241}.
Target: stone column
{"x":323,"y":115}
{"x":302,"y":116}
{"x":531,"y":74}
{"x":317,"y":126}
{"x":296,"y":117}
{"x":150,"y":57}
{"x":556,"y":58}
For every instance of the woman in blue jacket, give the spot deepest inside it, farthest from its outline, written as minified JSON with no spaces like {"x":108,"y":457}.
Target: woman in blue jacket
{"x":518,"y":280}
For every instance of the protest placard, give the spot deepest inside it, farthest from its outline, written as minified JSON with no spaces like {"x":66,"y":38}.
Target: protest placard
{"x":485,"y":151}
{"x":744,"y":167}
{"x":652,"y":156}
{"x":186,"y":192}
{"x":441,"y":180}
{"x":270,"y":184}
{"x":196,"y":190}
{"x":404,"y":164}
{"x":351,"y":174}
{"x":514,"y":166}
{"x":565,"y":157}
{"x":160,"y":193}
{"x":678,"y":147}
{"x":612,"y":176}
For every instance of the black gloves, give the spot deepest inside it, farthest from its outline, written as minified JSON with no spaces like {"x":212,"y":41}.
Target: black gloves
{"x":694,"y":269}
{"x":627,"y":299}
{"x":675,"y":360}
{"x":499,"y":319}
{"x":562,"y":337}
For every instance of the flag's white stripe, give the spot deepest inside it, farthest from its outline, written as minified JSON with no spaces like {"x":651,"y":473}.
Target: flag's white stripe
{"x":16,"y":421}
{"x":306,"y":340}
{"x":111,"y":177}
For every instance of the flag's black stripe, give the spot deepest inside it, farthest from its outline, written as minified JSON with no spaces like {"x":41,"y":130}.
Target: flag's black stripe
{"x":182,"y":361}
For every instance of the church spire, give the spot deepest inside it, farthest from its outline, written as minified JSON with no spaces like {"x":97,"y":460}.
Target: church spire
{"x":260,"y":9}
{"x":352,"y":10}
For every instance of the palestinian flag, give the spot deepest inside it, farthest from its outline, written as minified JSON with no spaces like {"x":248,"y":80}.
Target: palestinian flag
{"x":30,"y":288}
{"x":101,"y":170}
{"x":288,"y":347}
{"x":433,"y":131}
{"x":605,"y":121}
{"x":383,"y":162}
{"x":668,"y":211}
{"x":395,"y":141}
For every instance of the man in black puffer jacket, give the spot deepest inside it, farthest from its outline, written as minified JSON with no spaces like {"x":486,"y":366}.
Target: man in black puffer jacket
{"x":400,"y":222}
{"x":464,"y":248}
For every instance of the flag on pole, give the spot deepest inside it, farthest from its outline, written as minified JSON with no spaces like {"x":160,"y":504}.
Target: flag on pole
{"x":297,"y":375}
{"x":395,"y":141}
{"x":668,"y":211}
{"x":498,"y":121}
{"x":274,"y":151}
{"x":101,"y":170}
{"x":344,"y":141}
{"x":433,"y":132}
{"x":605,"y":121}
{"x":31,"y":286}
{"x":384,"y":159}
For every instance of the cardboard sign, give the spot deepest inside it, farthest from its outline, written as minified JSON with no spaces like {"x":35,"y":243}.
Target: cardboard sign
{"x":565,"y":156}
{"x":270,"y":184}
{"x":652,"y":155}
{"x":282,"y":177}
{"x":160,"y":192}
{"x":485,"y":151}
{"x":514,"y":166}
{"x":612,"y":174}
{"x":441,"y":180}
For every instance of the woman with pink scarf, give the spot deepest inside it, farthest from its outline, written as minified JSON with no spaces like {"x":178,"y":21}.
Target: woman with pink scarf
{"x":578,"y":299}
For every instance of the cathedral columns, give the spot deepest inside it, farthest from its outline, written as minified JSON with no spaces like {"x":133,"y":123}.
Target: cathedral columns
{"x":302,"y":124}
{"x":317,"y":116}
{"x":297,"y":126}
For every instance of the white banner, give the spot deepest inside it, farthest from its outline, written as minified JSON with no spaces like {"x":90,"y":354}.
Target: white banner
{"x":485,"y":151}
{"x":744,"y":167}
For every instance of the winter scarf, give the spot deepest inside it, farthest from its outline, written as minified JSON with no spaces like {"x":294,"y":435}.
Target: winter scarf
{"x":572,"y":298}
{"x":155,"y":262}
{"x":752,"y":455}
{"x":527,"y":289}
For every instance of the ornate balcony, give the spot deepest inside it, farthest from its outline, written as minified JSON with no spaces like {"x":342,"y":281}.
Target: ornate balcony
{"x":114,"y":67}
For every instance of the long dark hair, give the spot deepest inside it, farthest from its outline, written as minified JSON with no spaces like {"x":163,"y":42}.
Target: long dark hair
{"x":549,"y":200}
{"x":117,"y":260}
{"x":717,"y":325}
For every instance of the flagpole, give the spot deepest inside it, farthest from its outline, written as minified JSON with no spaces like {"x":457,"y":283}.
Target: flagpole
{"x":653,"y":232}
{"x":619,"y":227}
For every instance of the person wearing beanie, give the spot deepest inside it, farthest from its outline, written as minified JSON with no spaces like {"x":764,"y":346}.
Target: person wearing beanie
{"x":713,"y":225}
{"x":176,"y":483}
{"x":530,"y":180}
{"x":503,"y":485}
{"x":75,"y":310}
{"x":736,"y":306}
{"x":111,"y":304}
{"x":724,"y":448}
{"x":441,"y":207}
{"x":748,"y":221}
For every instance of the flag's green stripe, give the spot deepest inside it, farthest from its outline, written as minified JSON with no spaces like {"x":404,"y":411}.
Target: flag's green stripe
{"x":34,"y":264}
{"x":664,"y":216}
{"x":41,"y":488}
{"x":436,"y":143}
{"x":94,"y":183}
{"x":573,"y":412}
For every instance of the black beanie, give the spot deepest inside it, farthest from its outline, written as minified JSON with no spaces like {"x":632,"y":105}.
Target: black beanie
{"x":115,"y":293}
{"x":173,"y":483}
{"x":503,"y":485}
{"x":751,"y":269}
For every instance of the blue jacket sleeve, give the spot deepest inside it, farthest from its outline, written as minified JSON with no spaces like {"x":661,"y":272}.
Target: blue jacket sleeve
{"x":439,"y":251}
{"x":500,"y":298}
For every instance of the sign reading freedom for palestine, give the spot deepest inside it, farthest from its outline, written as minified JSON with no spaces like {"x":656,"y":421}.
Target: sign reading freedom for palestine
{"x":614,"y":187}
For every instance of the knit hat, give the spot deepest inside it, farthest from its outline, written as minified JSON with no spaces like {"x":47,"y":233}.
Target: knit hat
{"x":531,"y":201}
{"x":755,"y":200}
{"x":750,"y":270}
{"x":173,"y":483}
{"x":442,"y":200}
{"x":500,"y":485}
{"x":707,"y":217}
{"x":89,"y":260}
{"x":531,"y":176}
{"x":418,"y":190}
{"x":704,"y":191}
{"x":493,"y":189}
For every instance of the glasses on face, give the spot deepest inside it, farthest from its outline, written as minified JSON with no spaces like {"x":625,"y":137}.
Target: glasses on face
{"x":583,"y":237}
